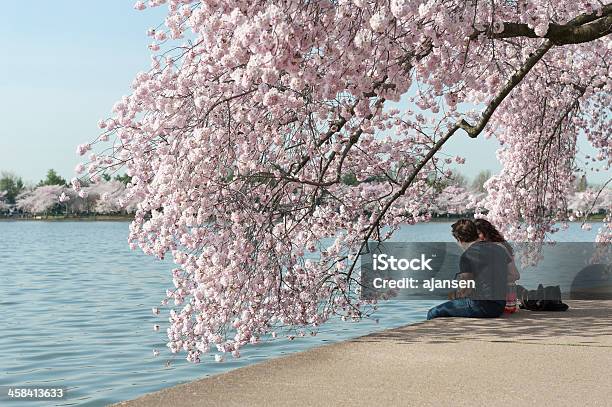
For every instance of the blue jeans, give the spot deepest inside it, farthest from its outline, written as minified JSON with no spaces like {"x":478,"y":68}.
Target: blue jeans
{"x":467,"y":308}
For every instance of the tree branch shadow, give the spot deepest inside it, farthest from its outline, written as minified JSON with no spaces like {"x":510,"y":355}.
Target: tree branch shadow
{"x":584,"y":321}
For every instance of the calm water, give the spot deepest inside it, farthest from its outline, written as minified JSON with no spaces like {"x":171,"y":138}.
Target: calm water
{"x":76,"y":312}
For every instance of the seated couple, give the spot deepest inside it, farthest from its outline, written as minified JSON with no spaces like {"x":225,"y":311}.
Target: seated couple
{"x":488,"y":260}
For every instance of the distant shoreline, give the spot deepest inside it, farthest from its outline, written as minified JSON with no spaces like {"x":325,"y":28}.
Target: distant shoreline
{"x":97,"y":218}
{"x":591,"y":218}
{"x":102,"y":218}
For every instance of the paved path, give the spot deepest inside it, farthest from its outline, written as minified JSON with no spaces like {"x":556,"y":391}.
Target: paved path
{"x":535,"y":359}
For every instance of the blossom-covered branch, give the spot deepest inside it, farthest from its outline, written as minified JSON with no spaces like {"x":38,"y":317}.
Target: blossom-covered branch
{"x":271,"y":140}
{"x":583,"y":28}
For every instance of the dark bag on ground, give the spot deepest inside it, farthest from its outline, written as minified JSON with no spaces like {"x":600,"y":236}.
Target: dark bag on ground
{"x":543,"y":299}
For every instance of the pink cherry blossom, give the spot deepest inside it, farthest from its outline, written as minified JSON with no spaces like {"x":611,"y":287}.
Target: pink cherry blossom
{"x":63,"y":197}
{"x":80,"y":167}
{"x":83,"y":148}
{"x":274,"y":139}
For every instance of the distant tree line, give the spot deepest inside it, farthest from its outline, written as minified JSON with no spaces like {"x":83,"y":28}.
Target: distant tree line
{"x":52,"y":196}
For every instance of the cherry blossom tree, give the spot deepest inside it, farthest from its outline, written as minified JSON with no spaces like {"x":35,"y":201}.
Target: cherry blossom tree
{"x":590,"y":201}
{"x":99,"y":198}
{"x":109,"y":198}
{"x":239,"y":136}
{"x":456,"y":200}
{"x":4,"y":206}
{"x":41,"y":199}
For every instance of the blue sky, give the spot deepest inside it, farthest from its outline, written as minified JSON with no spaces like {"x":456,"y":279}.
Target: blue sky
{"x":65,"y":63}
{"x":63,"y":66}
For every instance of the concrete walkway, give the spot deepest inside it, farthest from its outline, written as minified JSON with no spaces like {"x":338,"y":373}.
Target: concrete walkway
{"x":530,"y":358}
